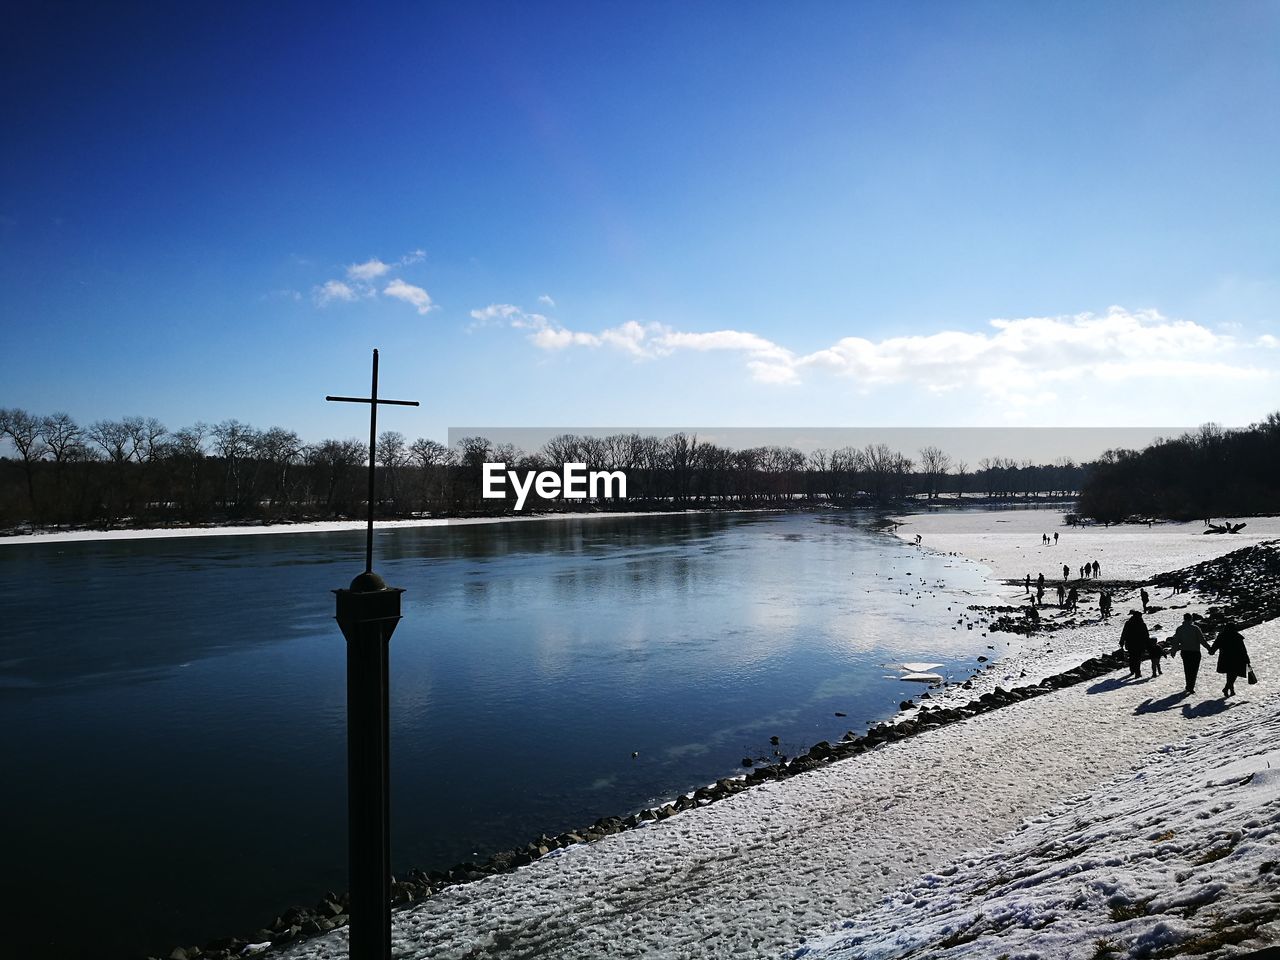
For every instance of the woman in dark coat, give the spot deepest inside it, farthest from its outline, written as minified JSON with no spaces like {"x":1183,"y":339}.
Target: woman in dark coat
{"x":1136,"y":641}
{"x":1233,"y":658}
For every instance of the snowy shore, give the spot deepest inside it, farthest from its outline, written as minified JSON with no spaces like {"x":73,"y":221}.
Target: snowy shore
{"x":1180,"y":858}
{"x":794,"y":865}
{"x":307,"y":526}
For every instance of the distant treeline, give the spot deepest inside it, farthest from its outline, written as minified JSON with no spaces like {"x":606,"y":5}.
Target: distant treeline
{"x":137,"y":472}
{"x":1209,"y":473}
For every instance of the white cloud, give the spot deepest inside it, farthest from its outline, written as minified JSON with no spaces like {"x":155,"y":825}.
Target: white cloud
{"x":506,"y":314}
{"x":755,"y":346}
{"x":369,"y":270}
{"x":415,"y":296}
{"x":1015,"y":360}
{"x":546,"y":300}
{"x":632,"y":337}
{"x":413,"y":256}
{"x":332,"y":290}
{"x":557,"y":338}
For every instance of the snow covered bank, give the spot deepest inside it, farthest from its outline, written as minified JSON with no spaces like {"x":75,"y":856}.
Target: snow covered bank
{"x":1179,"y":859}
{"x":1008,"y":541}
{"x":312,"y":526}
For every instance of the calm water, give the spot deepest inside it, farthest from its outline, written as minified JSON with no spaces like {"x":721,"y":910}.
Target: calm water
{"x":173,"y":710}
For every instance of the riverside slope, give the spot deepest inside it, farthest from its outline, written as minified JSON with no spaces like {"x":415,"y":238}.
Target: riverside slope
{"x":757,"y":874}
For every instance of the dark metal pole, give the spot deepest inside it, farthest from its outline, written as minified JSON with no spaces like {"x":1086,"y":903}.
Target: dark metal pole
{"x":368,"y":612}
{"x":373,"y":449}
{"x":369,"y":791}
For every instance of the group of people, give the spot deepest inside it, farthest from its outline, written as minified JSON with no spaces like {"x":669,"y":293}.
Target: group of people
{"x":1068,"y":597}
{"x":1092,"y":569}
{"x":1044,"y":539}
{"x":1188,"y":641}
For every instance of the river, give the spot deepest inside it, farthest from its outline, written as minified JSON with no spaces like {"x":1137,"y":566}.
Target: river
{"x":174,"y":710}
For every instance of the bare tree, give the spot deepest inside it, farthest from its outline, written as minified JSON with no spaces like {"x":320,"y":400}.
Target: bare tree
{"x":234,"y":442}
{"x":392,"y":455}
{"x":114,"y":437}
{"x":23,"y":429}
{"x":281,"y":450}
{"x":187,"y":457}
{"x":432,"y":460}
{"x":934,"y":464}
{"x":146,"y":436}
{"x":63,"y":436}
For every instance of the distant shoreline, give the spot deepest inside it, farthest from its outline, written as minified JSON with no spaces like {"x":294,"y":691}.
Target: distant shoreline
{"x":252,"y":528}
{"x":333,"y":526}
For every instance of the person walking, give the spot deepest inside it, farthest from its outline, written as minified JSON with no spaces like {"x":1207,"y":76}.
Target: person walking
{"x":1146,"y":598}
{"x":1066,"y":572}
{"x":1028,"y":584}
{"x":1233,"y":657}
{"x":1062,"y":595}
{"x":1135,"y":639}
{"x":1156,"y":655}
{"x":1097,"y":569}
{"x":1188,"y":640}
{"x":1055,"y":538}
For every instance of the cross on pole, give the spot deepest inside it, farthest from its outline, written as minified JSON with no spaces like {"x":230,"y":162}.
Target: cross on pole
{"x":373,"y":401}
{"x":368,"y":612}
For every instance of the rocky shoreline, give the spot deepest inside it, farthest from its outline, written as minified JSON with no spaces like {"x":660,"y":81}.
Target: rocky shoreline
{"x":1244,"y":586}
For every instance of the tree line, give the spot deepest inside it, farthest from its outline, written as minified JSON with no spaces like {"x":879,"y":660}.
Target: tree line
{"x":1208,"y":473}
{"x":135,"y":471}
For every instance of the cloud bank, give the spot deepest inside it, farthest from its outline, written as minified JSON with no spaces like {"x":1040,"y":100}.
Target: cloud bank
{"x":1013,"y":358}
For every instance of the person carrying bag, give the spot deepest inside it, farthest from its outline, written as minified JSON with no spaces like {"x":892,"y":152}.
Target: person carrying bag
{"x":1233,"y":658}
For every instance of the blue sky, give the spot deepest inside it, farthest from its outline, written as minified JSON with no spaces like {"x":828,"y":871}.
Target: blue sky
{"x":643,"y":214}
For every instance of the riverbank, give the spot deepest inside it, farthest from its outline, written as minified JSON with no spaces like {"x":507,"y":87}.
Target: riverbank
{"x":756,"y":873}
{"x":1177,"y":859}
{"x":310,"y":526}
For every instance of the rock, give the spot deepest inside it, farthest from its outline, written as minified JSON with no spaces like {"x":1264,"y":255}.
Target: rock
{"x":748,"y":762}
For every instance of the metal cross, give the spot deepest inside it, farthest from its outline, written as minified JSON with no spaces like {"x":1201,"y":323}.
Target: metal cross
{"x":373,"y":402}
